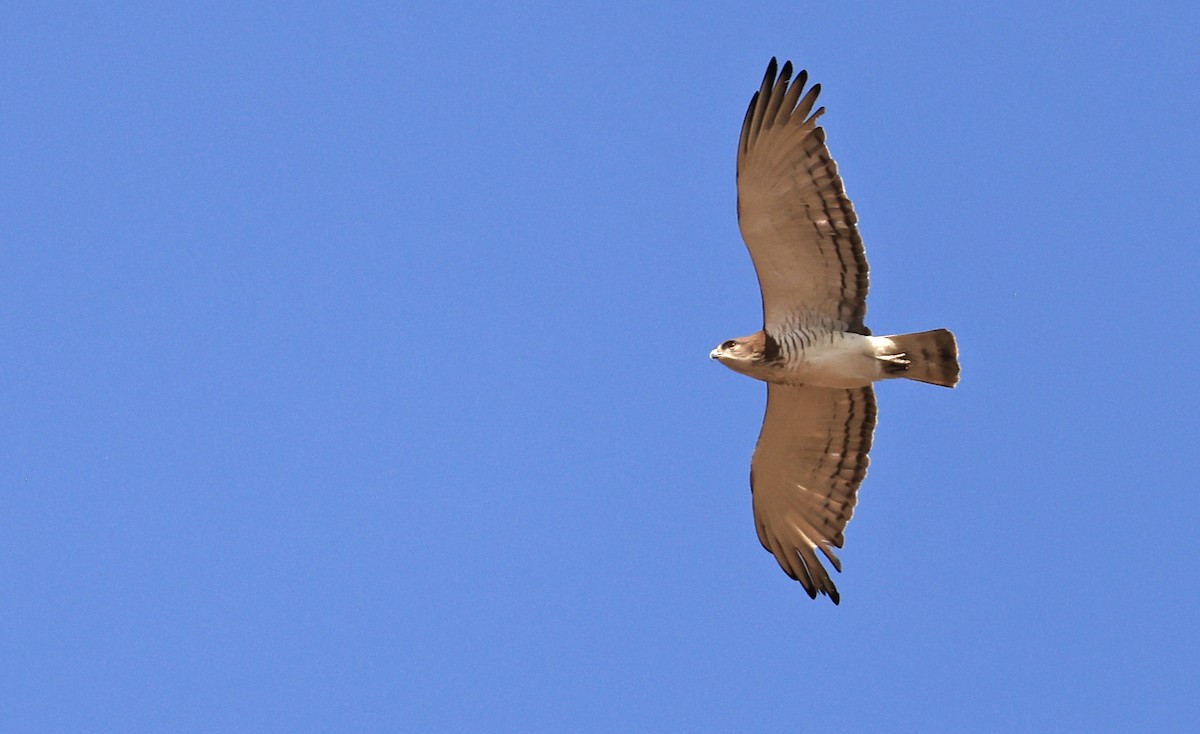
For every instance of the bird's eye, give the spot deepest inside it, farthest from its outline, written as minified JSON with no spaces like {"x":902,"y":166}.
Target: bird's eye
{"x":729,"y":344}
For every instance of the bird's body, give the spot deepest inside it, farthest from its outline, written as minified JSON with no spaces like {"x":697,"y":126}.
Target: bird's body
{"x":817,"y":356}
{"x":820,"y":356}
{"x":815,"y":353}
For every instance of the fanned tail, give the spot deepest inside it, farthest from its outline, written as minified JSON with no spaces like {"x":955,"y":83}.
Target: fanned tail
{"x":926,"y":356}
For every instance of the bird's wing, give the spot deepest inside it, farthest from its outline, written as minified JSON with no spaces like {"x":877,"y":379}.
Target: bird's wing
{"x":797,"y":222}
{"x":811,"y":457}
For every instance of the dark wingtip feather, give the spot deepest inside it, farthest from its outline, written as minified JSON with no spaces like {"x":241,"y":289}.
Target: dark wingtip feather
{"x":750,"y":108}
{"x":759,"y":109}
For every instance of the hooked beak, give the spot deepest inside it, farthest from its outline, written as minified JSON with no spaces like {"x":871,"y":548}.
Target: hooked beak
{"x":713,"y":354}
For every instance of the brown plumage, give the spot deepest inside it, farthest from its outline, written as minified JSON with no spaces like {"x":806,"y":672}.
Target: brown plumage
{"x":814,"y":350}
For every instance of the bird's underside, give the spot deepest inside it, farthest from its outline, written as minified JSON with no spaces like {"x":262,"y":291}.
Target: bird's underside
{"x":814,"y":351}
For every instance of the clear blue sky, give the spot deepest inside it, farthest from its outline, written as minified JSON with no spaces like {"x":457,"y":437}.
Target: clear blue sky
{"x":354,"y":370}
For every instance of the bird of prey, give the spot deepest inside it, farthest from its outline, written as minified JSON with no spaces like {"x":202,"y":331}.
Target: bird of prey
{"x":816,"y":355}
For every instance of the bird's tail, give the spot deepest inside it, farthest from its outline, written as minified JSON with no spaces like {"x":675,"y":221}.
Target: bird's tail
{"x":927,"y":356}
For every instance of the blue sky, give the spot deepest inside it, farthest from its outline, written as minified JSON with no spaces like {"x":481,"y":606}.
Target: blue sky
{"x":355,"y":370}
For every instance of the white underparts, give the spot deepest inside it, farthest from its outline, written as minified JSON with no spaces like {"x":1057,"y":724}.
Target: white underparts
{"x":828,"y":359}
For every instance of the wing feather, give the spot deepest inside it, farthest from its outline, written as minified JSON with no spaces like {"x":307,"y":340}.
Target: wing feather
{"x":791,"y":98}
{"x":775,"y":101}
{"x":810,"y":459}
{"x":795,"y":217}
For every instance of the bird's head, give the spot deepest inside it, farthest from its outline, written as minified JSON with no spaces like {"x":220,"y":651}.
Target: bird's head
{"x":742,"y":354}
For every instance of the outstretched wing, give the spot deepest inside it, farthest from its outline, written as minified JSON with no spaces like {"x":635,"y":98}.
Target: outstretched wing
{"x":797,"y":222}
{"x":811,"y":457}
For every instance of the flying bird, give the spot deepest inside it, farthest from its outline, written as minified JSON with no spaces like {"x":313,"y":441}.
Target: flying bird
{"x":814,"y":351}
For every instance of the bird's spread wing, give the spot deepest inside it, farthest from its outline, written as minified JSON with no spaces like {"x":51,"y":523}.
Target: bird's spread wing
{"x":799,"y":226}
{"x":811,"y":457}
